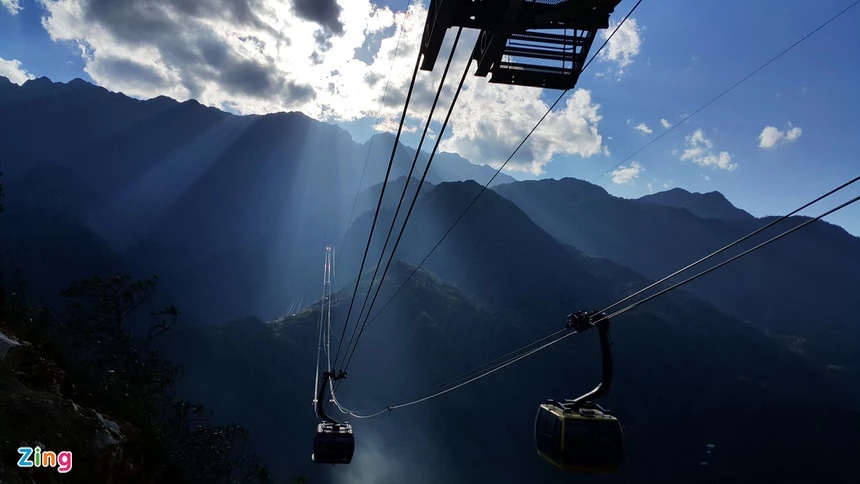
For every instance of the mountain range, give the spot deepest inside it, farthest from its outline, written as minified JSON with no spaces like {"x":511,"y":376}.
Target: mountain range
{"x":799,"y":289}
{"x":757,"y":360}
{"x":153,"y":176}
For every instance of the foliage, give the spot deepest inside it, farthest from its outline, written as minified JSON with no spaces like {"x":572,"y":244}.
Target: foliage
{"x":223,"y":446}
{"x":126,"y":376}
{"x":118,"y":372}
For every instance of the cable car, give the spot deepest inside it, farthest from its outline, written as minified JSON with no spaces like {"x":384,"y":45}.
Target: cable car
{"x":580,"y":435}
{"x":579,"y":439}
{"x":334,"y":442}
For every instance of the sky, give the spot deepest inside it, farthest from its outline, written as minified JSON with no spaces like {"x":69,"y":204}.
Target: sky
{"x":784,"y":136}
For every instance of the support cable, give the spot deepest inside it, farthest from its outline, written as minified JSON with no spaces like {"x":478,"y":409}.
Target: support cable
{"x":379,"y":204}
{"x":405,"y":189}
{"x":499,"y":170}
{"x":412,"y":205}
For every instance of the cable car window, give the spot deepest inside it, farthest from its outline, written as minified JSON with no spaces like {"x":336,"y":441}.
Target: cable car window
{"x":556,"y":439}
{"x":592,"y":443}
{"x":551,"y":420}
{"x":543,"y":435}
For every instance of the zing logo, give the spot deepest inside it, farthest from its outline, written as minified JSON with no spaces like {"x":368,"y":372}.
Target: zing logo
{"x":31,"y":457}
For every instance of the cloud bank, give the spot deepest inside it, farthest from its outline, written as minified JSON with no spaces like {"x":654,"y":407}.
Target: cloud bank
{"x":328,"y":59}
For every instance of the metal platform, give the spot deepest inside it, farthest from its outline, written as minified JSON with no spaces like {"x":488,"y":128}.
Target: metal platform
{"x":538,"y":43}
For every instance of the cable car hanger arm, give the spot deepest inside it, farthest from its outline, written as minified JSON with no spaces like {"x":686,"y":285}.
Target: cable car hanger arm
{"x":602,"y":322}
{"x":582,"y":321}
{"x":328,"y":375}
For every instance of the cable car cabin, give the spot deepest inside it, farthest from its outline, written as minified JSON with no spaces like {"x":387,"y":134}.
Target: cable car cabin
{"x":584,"y":439}
{"x":538,"y":43}
{"x":333,"y":444}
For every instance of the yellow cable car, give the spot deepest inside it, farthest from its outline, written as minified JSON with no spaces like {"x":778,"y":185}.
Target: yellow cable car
{"x":578,"y":439}
{"x":579,"y":435}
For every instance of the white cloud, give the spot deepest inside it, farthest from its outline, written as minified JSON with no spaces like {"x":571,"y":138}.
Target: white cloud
{"x":12,"y":70}
{"x":665,"y":123}
{"x":491,"y":121}
{"x":332,"y":63}
{"x":623,"y":46}
{"x":699,"y":150}
{"x":13,"y":6}
{"x":643,"y":128}
{"x":627,"y":174}
{"x":650,"y":187}
{"x":771,"y":136}
{"x":706,"y":177}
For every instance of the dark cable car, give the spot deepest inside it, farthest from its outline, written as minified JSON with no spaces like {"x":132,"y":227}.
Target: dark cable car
{"x":334,"y":442}
{"x":579,"y":435}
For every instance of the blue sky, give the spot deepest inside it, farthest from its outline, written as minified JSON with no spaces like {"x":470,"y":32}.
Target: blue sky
{"x":688,"y":53}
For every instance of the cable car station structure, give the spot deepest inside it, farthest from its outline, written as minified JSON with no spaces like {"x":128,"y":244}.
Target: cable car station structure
{"x":516,"y":44}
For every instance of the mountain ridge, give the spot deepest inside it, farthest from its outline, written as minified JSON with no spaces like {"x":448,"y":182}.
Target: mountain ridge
{"x":43,"y":86}
{"x":770,"y":288}
{"x":707,"y":205}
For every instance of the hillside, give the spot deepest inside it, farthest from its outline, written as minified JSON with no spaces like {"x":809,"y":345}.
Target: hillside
{"x":85,"y":386}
